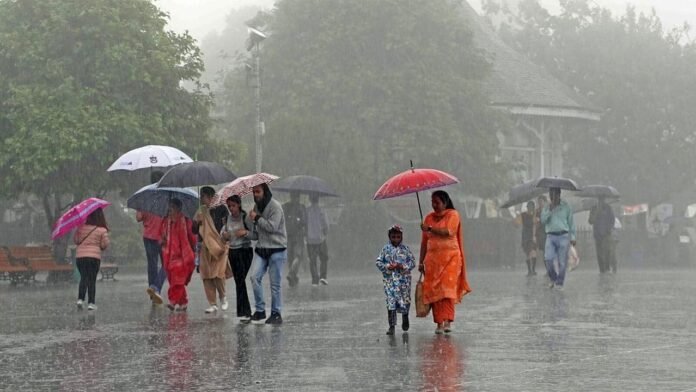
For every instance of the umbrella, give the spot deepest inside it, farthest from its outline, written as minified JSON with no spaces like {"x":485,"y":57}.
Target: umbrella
{"x":557,"y":182}
{"x":305,"y":184}
{"x":598,"y":191}
{"x":148,"y":157}
{"x":414,"y":181}
{"x":522,"y":193}
{"x":196,"y":174}
{"x":155,"y":200}
{"x":242,"y":186}
{"x":76,"y":216}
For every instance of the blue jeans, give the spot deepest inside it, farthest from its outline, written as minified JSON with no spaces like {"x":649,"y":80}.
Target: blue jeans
{"x":156,"y":275}
{"x":557,"y":247}
{"x":274,"y":266}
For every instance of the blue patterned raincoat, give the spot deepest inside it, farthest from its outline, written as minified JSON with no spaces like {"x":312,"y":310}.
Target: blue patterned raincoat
{"x":397,"y":282}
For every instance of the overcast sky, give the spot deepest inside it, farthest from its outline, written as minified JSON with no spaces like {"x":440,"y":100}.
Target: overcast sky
{"x":200,"y":17}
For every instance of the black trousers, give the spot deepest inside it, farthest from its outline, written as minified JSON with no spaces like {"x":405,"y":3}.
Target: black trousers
{"x":321,"y":252}
{"x":295,"y":255}
{"x":89,"y":268}
{"x":240,"y":261}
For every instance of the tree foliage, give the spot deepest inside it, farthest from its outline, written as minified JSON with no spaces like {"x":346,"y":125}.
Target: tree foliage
{"x":81,"y":83}
{"x":640,"y":75}
{"x":353,"y":90}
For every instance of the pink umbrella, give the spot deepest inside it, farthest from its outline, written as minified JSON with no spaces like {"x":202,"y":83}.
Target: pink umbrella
{"x":76,"y":216}
{"x":242,"y":186}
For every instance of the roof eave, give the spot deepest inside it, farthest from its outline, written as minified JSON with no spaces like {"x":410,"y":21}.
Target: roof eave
{"x":550,"y":111}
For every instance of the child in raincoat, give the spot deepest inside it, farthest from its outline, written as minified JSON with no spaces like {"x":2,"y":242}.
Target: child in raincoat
{"x":396,"y":262}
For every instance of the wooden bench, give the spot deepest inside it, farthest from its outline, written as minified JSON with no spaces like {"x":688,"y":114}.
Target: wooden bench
{"x":108,"y":268}
{"x":40,"y":259}
{"x":10,"y":269}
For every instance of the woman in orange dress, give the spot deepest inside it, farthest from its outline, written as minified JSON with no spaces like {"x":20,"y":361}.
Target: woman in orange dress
{"x":443,"y":261}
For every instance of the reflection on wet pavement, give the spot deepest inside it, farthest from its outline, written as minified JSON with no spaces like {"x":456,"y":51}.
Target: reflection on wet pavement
{"x":632,"y":331}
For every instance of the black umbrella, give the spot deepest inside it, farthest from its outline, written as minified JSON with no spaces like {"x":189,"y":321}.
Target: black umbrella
{"x":522,"y":193}
{"x":557,"y":182}
{"x":598,"y":191}
{"x":305,"y":184}
{"x":196,"y":174}
{"x":156,"y":200}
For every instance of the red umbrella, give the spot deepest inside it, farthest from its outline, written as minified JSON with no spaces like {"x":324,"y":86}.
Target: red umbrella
{"x":414,"y":181}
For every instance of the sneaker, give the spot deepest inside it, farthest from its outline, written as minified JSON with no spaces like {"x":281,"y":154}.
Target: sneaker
{"x":182,"y":308}
{"x":274,"y":319}
{"x":390,"y":331}
{"x":157,"y":299}
{"x":552,"y":285}
{"x":258,"y":317}
{"x":80,"y":304}
{"x":315,"y":284}
{"x":171,"y":307}
{"x":225,"y":305}
{"x":212,"y":309}
{"x":558,"y":287}
{"x":447,"y":328}
{"x":244,"y":318}
{"x":324,"y":281}
{"x":91,"y":307}
{"x":405,"y":324}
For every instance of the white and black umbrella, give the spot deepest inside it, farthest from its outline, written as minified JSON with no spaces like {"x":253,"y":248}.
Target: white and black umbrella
{"x":148,"y":157}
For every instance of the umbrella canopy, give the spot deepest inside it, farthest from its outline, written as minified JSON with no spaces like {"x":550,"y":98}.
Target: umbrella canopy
{"x":598,"y":191}
{"x":305,"y":184}
{"x":196,"y":174}
{"x":149,"y":156}
{"x":522,"y":193}
{"x":156,"y":200}
{"x":242,"y":186}
{"x":414,"y":181}
{"x":557,"y":182}
{"x":76,"y":216}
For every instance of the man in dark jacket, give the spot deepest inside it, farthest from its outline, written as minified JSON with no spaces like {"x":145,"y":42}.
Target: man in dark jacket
{"x":602,"y":221}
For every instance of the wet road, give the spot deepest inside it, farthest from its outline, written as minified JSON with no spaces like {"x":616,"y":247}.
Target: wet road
{"x":634,"y":332}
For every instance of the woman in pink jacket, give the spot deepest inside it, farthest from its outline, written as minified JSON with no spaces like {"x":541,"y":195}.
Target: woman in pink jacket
{"x":91,"y":239}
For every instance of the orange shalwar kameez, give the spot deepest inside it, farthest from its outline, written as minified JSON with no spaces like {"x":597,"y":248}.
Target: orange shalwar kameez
{"x":444,"y":283}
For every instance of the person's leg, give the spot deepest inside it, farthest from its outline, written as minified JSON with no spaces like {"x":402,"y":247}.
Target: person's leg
{"x":324,"y":257}
{"x":161,"y":272}
{"x":210,"y":291}
{"x":220,"y":289}
{"x":562,"y":249}
{"x":293,"y":261}
{"x":598,"y":251}
{"x":606,"y":250}
{"x":82,"y":287}
{"x":247,"y":258}
{"x":92,"y":272}
{"x":549,"y":257}
{"x":276,"y":263}
{"x":235,"y":257}
{"x":152,"y":252}
{"x":312,"y":254}
{"x":258,"y":268}
{"x":612,"y":253}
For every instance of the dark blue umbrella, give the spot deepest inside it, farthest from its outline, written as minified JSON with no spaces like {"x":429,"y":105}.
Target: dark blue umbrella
{"x":156,"y":200}
{"x":305,"y":184}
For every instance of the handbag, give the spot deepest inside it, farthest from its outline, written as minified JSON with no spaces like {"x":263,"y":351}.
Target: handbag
{"x":422,"y":309}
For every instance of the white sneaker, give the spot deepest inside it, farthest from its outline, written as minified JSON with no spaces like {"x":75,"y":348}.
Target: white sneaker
{"x":212,"y":309}
{"x":225,"y":305}
{"x":324,"y":281}
{"x":91,"y":307}
{"x":80,"y":304}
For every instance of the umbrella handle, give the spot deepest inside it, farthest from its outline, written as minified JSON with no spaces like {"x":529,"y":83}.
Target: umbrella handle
{"x":420,"y":210}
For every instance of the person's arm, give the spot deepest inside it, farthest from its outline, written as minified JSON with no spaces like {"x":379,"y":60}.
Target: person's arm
{"x":104,"y":241}
{"x":423,"y":251}
{"x":410,"y":260}
{"x":571,"y":225}
{"x":272,"y":222}
{"x":382,"y":261}
{"x":324,"y":224}
{"x":545,"y":215}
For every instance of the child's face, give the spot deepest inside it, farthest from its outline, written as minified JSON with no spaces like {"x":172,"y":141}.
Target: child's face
{"x":395,"y":238}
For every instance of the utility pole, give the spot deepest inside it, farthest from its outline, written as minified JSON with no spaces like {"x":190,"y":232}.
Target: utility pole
{"x":255,"y":38}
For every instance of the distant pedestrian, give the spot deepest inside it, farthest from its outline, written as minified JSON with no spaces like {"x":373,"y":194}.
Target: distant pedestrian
{"x":602,"y":220}
{"x":443,"y":261}
{"x":241,"y":254}
{"x":213,"y":265}
{"x":271,"y":253}
{"x":91,"y":238}
{"x":317,"y":230}
{"x":296,"y":225}
{"x":152,"y":236}
{"x":540,"y":232}
{"x":527,"y":220}
{"x":560,"y":234}
{"x":178,"y":243}
{"x":396,"y":261}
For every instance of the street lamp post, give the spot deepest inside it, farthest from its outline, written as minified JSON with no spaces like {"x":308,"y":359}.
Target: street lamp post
{"x":255,"y":38}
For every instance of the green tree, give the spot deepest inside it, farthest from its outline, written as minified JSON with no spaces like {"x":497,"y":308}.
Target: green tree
{"x":353,"y":90}
{"x":82,"y":82}
{"x":640,"y":75}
